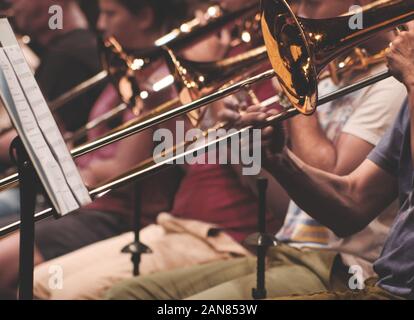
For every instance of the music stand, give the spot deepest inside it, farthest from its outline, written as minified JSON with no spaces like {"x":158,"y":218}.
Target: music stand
{"x":28,"y":183}
{"x":136,"y":248}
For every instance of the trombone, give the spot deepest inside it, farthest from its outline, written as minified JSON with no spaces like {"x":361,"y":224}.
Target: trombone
{"x":131,"y":63}
{"x":151,"y":166}
{"x":168,"y":110}
{"x":214,"y":19}
{"x":120,"y":65}
{"x":315,"y":41}
{"x":197,"y":76}
{"x":298,"y":48}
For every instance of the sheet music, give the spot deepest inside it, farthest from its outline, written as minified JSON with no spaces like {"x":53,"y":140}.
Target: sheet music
{"x":38,"y":130}
{"x":47,"y":123}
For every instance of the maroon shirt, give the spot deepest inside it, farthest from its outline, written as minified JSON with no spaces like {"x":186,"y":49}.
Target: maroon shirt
{"x":213,"y":193}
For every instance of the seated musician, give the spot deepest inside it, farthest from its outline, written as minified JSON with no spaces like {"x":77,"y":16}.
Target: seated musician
{"x":310,"y":258}
{"x":110,"y":215}
{"x":210,"y":197}
{"x":347,"y":204}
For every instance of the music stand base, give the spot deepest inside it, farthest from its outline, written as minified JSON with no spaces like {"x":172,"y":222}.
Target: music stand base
{"x":136,"y":249}
{"x":27,"y":185}
{"x":259,"y":294}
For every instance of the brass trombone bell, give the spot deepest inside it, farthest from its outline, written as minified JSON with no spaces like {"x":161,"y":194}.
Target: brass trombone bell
{"x":299,"y":48}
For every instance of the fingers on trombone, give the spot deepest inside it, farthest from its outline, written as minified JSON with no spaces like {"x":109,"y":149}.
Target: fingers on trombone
{"x":398,"y":30}
{"x":395,"y":44}
{"x":406,"y":30}
{"x":252,"y":119}
{"x":254,"y":108}
{"x":229,"y":115}
{"x":409,"y":26}
{"x":402,"y":32}
{"x":404,"y":40}
{"x":272,"y":112}
{"x":255,"y":116}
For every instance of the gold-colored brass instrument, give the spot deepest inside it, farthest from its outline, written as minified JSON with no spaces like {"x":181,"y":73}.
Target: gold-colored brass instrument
{"x":341,"y":70}
{"x":73,"y":93}
{"x":202,"y":76}
{"x":121,"y":65}
{"x":78,"y":90}
{"x":400,"y":13}
{"x":298,"y":49}
{"x":198,"y":76}
{"x":357,"y":62}
{"x":195,"y":79}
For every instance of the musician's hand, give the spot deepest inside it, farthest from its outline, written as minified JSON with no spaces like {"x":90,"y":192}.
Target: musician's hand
{"x":400,"y":57}
{"x":229,"y":112}
{"x":273,"y":136}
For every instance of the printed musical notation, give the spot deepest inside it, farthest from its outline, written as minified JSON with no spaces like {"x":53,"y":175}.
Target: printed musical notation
{"x":37,"y":128}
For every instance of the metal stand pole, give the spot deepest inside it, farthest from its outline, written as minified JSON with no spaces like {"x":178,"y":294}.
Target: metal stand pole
{"x":260,"y":291}
{"x":28,"y":185}
{"x":136,"y":248}
{"x":262,"y":241}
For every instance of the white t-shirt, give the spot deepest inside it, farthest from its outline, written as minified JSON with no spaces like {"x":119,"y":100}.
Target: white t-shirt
{"x":366,"y":114}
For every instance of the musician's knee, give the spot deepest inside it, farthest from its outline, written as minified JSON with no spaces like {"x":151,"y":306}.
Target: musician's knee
{"x":136,"y":289}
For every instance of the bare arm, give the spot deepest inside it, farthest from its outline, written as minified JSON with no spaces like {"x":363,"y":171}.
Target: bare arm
{"x":310,"y":143}
{"x":345,"y":204}
{"x":411,"y":104}
{"x":277,"y":199}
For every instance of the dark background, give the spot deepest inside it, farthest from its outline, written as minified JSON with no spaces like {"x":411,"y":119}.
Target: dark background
{"x":90,"y":7}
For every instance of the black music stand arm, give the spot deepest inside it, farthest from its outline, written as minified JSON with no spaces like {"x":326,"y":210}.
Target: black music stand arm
{"x":260,"y":291}
{"x":136,"y":248}
{"x":136,"y":256}
{"x":28,"y":191}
